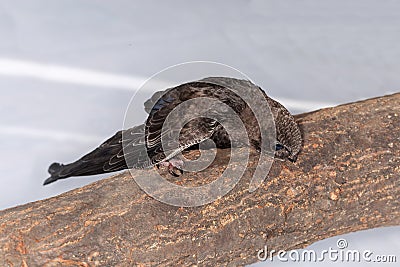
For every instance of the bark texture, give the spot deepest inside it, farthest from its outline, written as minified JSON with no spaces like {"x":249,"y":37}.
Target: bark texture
{"x":347,"y":178}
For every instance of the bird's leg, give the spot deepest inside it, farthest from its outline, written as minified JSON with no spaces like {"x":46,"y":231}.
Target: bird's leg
{"x":175,"y":166}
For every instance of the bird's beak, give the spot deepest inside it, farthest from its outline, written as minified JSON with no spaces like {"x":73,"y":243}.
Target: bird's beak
{"x":293,"y":158}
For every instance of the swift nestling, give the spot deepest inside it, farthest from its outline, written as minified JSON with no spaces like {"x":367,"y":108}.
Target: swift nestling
{"x":144,"y":141}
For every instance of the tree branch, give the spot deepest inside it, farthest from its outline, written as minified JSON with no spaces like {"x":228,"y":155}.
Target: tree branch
{"x":346,"y":179}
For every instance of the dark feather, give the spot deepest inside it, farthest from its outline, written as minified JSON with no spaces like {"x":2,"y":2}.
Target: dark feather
{"x":142,"y":146}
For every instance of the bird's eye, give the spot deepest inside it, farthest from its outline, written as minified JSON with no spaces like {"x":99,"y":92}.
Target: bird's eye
{"x":278,"y":147}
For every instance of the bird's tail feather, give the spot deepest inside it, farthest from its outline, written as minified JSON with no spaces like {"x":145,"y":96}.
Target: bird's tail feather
{"x":80,"y":167}
{"x":108,"y":157}
{"x":54,"y":171}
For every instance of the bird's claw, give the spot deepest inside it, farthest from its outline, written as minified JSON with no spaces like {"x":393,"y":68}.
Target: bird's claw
{"x":175,"y":166}
{"x":174,"y":171}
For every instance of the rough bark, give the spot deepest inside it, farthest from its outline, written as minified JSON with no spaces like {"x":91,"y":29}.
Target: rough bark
{"x":346,"y":179}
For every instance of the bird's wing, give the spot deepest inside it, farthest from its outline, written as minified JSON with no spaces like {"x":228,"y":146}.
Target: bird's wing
{"x":178,"y":136}
{"x":150,"y":104}
{"x":131,"y":150}
{"x":124,"y":149}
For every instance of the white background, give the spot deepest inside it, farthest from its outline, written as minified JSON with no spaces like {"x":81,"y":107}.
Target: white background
{"x":69,"y":68}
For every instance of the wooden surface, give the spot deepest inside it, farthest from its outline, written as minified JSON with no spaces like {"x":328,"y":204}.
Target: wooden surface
{"x":347,"y":178}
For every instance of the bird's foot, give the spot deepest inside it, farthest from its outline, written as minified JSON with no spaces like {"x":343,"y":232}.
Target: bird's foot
{"x":175,"y":166}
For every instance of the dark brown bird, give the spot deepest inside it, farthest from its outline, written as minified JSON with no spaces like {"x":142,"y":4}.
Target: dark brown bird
{"x":207,"y":107}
